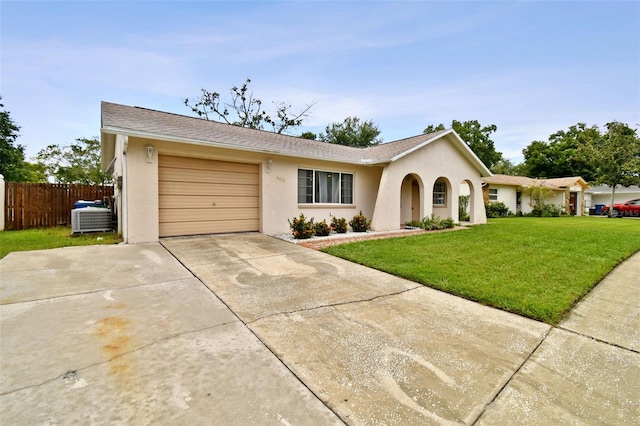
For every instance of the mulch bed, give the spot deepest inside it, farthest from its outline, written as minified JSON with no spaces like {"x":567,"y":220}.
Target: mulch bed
{"x":318,"y":244}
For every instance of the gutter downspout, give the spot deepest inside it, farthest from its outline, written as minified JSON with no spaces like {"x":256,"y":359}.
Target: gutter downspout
{"x":125,"y":191}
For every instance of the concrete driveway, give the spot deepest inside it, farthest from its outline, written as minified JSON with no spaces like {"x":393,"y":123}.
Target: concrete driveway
{"x":248,"y":329}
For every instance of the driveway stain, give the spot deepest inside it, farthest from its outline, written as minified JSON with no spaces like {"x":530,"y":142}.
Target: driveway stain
{"x":114,"y":334}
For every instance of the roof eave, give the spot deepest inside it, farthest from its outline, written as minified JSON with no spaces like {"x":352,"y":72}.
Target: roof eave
{"x":110,"y":130}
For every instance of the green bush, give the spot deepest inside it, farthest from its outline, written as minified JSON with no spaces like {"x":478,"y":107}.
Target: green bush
{"x":496,"y":209}
{"x":339,"y":225}
{"x":546,"y":210}
{"x":322,"y":229}
{"x":434,"y":223}
{"x":359,"y":223}
{"x":414,"y":224}
{"x":302,"y":228}
{"x":463,"y":206}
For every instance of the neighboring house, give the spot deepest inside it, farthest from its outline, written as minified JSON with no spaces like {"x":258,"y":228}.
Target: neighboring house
{"x":179,"y":175}
{"x":567,"y":192}
{"x":597,"y":197}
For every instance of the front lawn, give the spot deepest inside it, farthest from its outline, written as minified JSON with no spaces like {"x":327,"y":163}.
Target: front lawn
{"x":46,"y":238}
{"x":536,"y":267}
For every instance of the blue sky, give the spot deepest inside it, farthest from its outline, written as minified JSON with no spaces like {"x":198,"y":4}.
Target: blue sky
{"x":531,"y":68}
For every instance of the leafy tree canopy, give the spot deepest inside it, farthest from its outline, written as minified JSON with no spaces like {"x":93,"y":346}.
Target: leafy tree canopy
{"x":245,"y":110}
{"x":478,"y":138}
{"x":615,"y":156}
{"x":309,"y":135}
{"x":13,"y":166}
{"x":78,"y":162}
{"x":352,"y":132}
{"x":561,"y":156}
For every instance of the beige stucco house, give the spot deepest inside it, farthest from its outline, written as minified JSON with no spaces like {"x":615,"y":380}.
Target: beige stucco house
{"x":179,"y":175}
{"x":567,"y":192}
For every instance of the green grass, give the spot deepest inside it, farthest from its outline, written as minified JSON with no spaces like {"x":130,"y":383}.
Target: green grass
{"x":536,"y":267}
{"x":47,"y":238}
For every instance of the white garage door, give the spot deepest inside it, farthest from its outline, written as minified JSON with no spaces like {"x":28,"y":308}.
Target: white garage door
{"x":199,"y":196}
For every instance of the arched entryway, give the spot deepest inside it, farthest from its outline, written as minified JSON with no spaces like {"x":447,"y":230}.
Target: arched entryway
{"x":442,"y":202}
{"x":410,"y":199}
{"x":466,"y":202}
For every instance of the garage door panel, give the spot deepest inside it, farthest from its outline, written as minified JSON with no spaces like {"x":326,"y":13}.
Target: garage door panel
{"x":197,"y":215}
{"x":206,"y":189}
{"x":197,"y":201}
{"x":174,"y":229}
{"x":202,"y":164}
{"x":208,"y":176}
{"x":199,"y":196}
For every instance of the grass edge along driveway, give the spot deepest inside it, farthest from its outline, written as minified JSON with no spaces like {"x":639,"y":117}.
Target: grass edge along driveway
{"x":535,"y":267}
{"x":48,"y":238}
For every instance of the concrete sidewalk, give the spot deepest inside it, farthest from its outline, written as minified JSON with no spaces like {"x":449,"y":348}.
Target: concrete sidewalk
{"x":128,"y":334}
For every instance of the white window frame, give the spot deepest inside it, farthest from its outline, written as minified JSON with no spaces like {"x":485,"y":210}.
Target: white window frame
{"x":493,"y":194}
{"x":440,"y":195}
{"x":315,"y":189}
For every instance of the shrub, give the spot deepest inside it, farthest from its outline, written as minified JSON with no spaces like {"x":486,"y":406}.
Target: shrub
{"x":339,"y":225}
{"x":546,"y":210}
{"x":414,"y":224}
{"x":434,"y":223}
{"x":322,"y":229}
{"x":301,"y":227}
{"x":463,"y":206}
{"x":359,"y":223}
{"x":497,"y":209}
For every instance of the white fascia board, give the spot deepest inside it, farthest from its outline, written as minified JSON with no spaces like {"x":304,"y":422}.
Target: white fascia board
{"x":161,"y":137}
{"x":471,"y":155}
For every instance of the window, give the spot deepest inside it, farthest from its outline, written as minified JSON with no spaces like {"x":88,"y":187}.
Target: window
{"x":316,"y":186}
{"x":305,"y":186}
{"x":493,"y":194}
{"x":439,"y":193}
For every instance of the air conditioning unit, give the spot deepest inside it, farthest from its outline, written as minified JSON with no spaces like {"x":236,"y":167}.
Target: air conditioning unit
{"x":90,"y":219}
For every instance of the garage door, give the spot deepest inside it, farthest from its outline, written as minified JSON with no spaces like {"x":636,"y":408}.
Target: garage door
{"x":207,"y":197}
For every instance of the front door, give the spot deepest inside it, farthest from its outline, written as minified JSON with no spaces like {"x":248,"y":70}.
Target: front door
{"x":573,"y":198}
{"x":415,"y":200}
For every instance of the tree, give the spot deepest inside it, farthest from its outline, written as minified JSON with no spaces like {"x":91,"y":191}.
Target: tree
{"x":431,"y":128}
{"x":13,"y":166}
{"x":615,"y":156}
{"x":352,"y":132}
{"x":478,"y":138}
{"x":78,"y":162}
{"x":505,"y":167}
{"x":245,"y":110}
{"x":309,"y":135}
{"x":561,"y":155}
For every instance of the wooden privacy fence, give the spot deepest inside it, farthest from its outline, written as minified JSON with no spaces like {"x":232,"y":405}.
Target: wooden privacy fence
{"x":42,"y":205}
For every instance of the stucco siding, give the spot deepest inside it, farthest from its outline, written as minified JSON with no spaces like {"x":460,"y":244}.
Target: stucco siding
{"x":440,"y":159}
{"x":278,"y":187}
{"x":507,"y":195}
{"x":142,"y":192}
{"x":280,"y":193}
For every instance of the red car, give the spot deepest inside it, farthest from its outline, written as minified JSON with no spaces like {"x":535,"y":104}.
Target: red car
{"x":628,"y":208}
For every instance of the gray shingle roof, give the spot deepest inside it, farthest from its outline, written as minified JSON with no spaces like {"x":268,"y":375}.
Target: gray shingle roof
{"x":556,"y":183}
{"x":136,"y":121}
{"x":604,"y":189}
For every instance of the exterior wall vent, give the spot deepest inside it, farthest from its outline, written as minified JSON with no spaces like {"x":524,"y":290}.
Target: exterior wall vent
{"x":90,"y":219}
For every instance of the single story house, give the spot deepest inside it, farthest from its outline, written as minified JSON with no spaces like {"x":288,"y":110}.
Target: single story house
{"x":597,"y":197}
{"x":567,"y":192}
{"x":178,"y":175}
